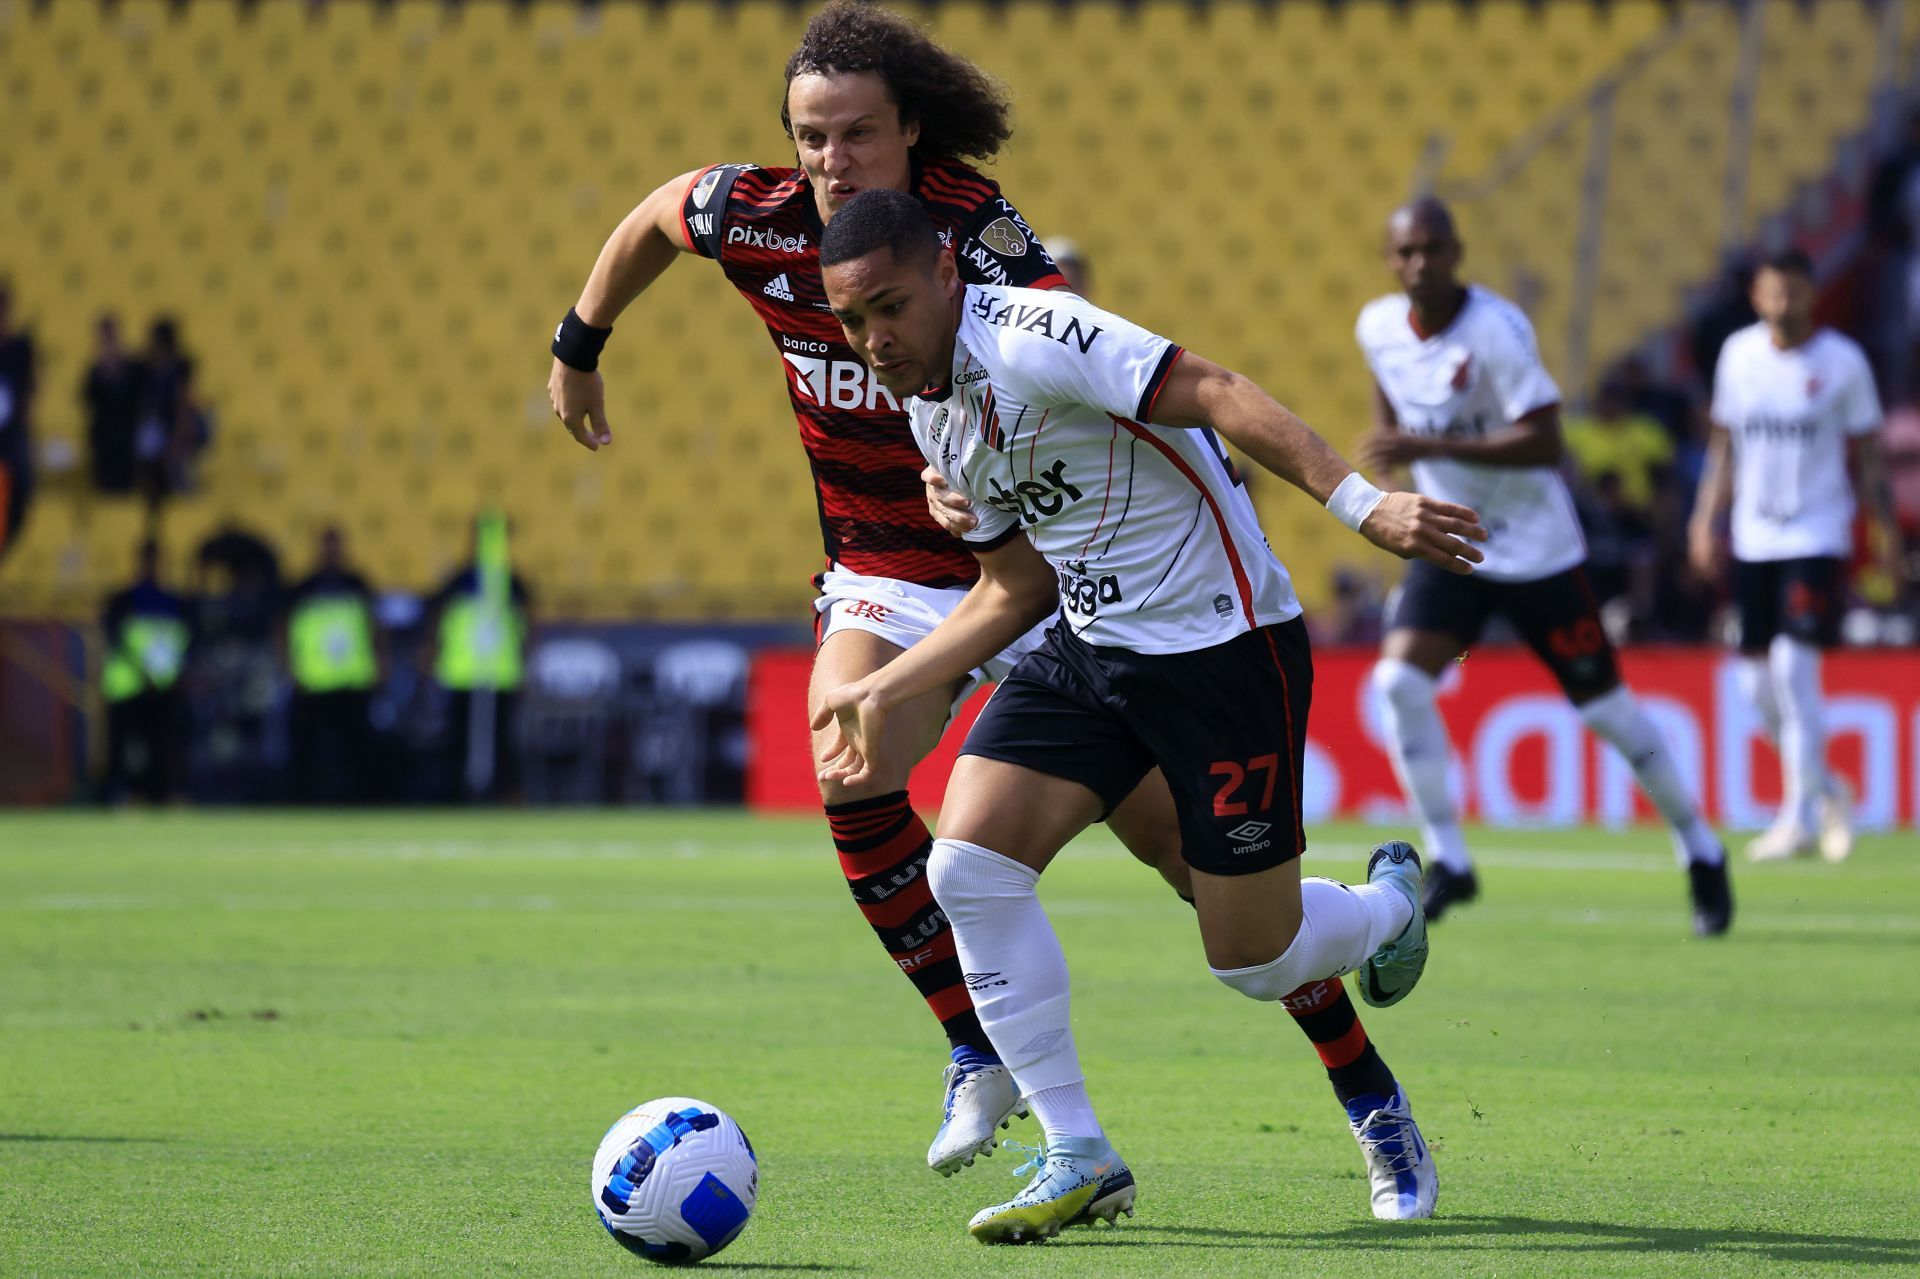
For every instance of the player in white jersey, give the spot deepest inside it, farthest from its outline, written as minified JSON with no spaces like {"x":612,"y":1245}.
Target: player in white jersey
{"x":1088,"y":445}
{"x":1462,"y":398}
{"x":1793,"y":406}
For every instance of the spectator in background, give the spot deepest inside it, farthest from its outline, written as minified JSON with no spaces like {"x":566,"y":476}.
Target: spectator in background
{"x":1663,"y":402}
{"x":238,"y":581}
{"x":479,"y":624}
{"x":114,"y":394}
{"x":1893,"y":268}
{"x":147,"y":630}
{"x":1615,"y":440}
{"x":332,"y":650}
{"x":174,"y":428}
{"x":1620,"y":552}
{"x":16,"y":421}
{"x":1728,"y":310}
{"x":1354,"y":618}
{"x":1073,"y":265}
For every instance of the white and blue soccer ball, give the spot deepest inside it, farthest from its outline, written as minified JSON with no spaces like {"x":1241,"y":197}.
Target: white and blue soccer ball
{"x":674,"y":1180}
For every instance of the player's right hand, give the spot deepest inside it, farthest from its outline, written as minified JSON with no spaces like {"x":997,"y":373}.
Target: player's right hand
{"x":950,"y":511}
{"x":1704,"y":553}
{"x":1414,"y":526}
{"x":580,"y":402}
{"x":847,"y":756}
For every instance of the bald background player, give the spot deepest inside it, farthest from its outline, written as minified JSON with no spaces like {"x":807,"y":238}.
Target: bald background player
{"x":1463,"y":401}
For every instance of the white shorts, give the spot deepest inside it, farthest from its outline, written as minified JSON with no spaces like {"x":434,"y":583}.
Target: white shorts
{"x":904,"y":613}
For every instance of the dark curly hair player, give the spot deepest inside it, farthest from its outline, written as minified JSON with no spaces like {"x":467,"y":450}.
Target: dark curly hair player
{"x":872,"y":102}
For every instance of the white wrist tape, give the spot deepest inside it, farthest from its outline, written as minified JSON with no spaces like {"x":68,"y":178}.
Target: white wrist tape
{"x":1354,"y":500}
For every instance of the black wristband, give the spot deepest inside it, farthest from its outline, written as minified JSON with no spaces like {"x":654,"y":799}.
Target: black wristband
{"x":578,"y":344}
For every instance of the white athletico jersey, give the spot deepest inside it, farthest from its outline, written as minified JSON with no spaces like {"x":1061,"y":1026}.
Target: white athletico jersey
{"x":1790,"y":414}
{"x":1047,"y":427}
{"x":1478,"y":376}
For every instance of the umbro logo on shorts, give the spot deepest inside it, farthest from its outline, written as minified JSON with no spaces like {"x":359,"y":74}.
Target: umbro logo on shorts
{"x":779,"y":288}
{"x":1247,"y":832}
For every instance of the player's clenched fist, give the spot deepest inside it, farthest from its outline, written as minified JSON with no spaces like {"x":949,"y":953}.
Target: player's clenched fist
{"x":1414,"y":526}
{"x":580,"y":402}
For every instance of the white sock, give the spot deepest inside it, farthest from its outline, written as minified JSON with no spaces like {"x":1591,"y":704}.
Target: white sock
{"x":1065,"y":1110}
{"x":1007,"y":946}
{"x":1617,"y":717}
{"x":1755,"y":681}
{"x":1340,"y":927}
{"x":1417,"y":741}
{"x":1803,"y":731}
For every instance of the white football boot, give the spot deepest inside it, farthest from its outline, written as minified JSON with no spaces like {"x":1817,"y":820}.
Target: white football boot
{"x":980,"y":1098}
{"x":1076,"y":1182}
{"x":1836,"y":819}
{"x":1781,"y":841}
{"x":1405,"y":1184}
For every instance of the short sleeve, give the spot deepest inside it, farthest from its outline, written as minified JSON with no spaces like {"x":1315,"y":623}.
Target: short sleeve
{"x":996,"y":246}
{"x":1075,"y":353}
{"x":994,"y":526}
{"x":1860,"y":409}
{"x":703,"y":209}
{"x":1513,"y":362}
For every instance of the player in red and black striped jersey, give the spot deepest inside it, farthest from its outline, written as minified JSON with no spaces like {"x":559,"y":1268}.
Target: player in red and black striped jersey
{"x":763,"y":226}
{"x":871,"y":102}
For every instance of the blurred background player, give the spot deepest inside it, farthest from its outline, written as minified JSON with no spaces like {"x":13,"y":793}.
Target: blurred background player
{"x":1794,"y":410}
{"x":332,"y":653}
{"x":1178,"y":644}
{"x":147,"y":629}
{"x":1461,"y":397}
{"x":871,"y":102}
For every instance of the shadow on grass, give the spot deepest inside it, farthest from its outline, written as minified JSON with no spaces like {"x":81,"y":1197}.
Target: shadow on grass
{"x":49,"y":1136}
{"x":1533,"y":1234}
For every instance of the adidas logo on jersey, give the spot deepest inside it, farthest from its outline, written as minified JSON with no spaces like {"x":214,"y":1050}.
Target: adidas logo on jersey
{"x":779,"y":288}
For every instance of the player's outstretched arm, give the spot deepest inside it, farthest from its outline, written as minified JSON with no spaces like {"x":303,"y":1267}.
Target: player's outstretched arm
{"x":1016,"y":590}
{"x":1199,"y":393}
{"x":640,"y":248}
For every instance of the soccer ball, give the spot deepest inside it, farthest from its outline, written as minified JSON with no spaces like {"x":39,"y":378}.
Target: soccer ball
{"x":675,"y":1180}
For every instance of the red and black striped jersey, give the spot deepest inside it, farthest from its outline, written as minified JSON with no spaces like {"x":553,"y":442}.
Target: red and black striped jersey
{"x":764,"y":229}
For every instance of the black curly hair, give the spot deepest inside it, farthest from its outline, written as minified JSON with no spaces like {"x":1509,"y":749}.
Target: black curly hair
{"x":961,"y":112}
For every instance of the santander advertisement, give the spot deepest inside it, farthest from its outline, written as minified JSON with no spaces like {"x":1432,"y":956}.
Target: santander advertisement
{"x":1522,"y":755}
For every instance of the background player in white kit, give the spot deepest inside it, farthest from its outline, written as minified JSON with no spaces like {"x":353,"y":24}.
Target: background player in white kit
{"x":1793,"y":408}
{"x":1461,"y":396}
{"x":1180,"y":645}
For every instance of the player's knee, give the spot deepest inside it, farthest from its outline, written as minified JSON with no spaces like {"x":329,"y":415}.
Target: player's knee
{"x":1403,"y":686}
{"x":964,"y":875}
{"x":1265,"y":982}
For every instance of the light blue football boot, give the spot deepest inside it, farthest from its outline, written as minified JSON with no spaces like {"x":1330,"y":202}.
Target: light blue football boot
{"x":1076,"y":1182}
{"x":1390,"y":973}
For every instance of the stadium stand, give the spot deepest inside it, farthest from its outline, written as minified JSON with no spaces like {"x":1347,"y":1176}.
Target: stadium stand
{"x":368,"y":219}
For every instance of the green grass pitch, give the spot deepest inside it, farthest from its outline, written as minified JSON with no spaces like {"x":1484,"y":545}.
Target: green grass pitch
{"x":387,"y":1044}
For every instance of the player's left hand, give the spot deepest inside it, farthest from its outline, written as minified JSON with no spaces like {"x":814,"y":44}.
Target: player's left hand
{"x":950,"y":511}
{"x":1385,"y":449}
{"x":580,"y":402}
{"x":857,"y":719}
{"x":1414,"y":526}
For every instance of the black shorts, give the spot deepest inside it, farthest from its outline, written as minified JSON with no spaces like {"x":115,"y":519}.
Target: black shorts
{"x":1557,"y":616}
{"x":1801,"y":598}
{"x":1227,"y":725}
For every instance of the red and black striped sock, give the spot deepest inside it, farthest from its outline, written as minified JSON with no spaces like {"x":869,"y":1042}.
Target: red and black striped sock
{"x":883,"y":848}
{"x":1325,"y":1012}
